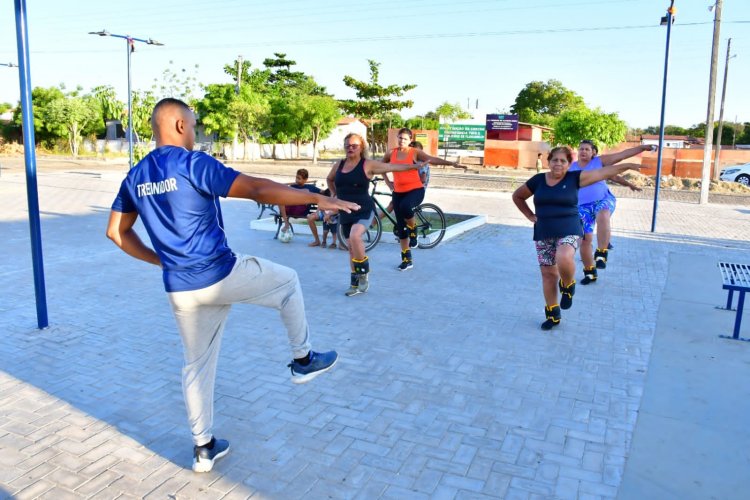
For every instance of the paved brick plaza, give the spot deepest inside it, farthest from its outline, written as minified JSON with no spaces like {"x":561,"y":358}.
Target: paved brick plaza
{"x":446,"y":387}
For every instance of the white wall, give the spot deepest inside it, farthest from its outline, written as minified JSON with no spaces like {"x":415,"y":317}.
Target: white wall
{"x":336,"y":139}
{"x":667,"y":143}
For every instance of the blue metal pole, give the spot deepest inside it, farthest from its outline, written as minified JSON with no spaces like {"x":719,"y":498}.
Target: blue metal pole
{"x":32,"y":194}
{"x":130,"y":108}
{"x":661,"y":122}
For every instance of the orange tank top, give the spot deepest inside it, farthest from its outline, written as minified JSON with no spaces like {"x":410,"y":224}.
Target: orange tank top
{"x":403,"y":182}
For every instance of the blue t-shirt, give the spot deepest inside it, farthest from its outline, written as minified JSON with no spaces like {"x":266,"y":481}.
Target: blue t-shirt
{"x":176,"y":193}
{"x":593,"y":192}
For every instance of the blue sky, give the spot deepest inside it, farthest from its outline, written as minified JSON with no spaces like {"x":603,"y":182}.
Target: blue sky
{"x":611,"y":52}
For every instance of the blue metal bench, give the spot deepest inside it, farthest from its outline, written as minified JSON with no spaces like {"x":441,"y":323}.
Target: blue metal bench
{"x":266,"y":206}
{"x":735,"y":277}
{"x":273,"y":210}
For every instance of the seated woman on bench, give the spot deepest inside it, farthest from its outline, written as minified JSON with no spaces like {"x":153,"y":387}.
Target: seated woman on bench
{"x":299,"y":211}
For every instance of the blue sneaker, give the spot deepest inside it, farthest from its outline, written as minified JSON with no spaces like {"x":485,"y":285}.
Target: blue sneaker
{"x":320,"y":362}
{"x":205,"y":456}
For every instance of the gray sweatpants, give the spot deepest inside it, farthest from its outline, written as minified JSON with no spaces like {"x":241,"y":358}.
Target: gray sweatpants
{"x":201,"y":316}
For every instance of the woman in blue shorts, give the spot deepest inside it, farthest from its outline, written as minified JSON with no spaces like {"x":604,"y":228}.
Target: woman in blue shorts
{"x":557,"y":226}
{"x":596,"y":204}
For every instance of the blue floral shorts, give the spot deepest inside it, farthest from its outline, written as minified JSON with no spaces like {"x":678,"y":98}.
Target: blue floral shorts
{"x":546,"y":250}
{"x":588,"y":211}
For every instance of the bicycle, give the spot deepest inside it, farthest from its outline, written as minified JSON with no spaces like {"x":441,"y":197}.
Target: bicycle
{"x":430,"y":221}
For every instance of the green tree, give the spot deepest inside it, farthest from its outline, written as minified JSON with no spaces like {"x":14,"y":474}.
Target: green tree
{"x":9,"y":132}
{"x":249,"y":111}
{"x":45,"y":132}
{"x":283,"y":80}
{"x":540,"y":103}
{"x":373,"y":99}
{"x":387,"y":121}
{"x":143,"y":105}
{"x":428,"y":121}
{"x":288,"y":121}
{"x":256,"y":79}
{"x":727,"y":133}
{"x":110,"y":107}
{"x":322,"y":113}
{"x":287,"y":92}
{"x":451,"y":112}
{"x":213,"y":111}
{"x":574,"y":125}
{"x":743,"y":137}
{"x":78,"y":114}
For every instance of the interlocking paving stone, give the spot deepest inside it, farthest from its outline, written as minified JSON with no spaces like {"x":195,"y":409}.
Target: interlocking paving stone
{"x":446,"y":387}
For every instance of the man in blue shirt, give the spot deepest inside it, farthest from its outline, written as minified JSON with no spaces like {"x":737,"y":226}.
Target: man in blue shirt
{"x":176,"y":193}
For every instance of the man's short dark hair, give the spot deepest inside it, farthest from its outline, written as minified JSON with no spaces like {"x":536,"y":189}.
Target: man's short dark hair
{"x":167,"y":102}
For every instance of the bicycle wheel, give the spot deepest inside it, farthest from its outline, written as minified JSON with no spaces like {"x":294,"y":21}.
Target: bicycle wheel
{"x":430,"y":225}
{"x":370,"y":237}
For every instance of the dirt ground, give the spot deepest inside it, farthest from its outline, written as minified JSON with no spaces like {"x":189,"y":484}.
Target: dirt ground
{"x":678,"y":183}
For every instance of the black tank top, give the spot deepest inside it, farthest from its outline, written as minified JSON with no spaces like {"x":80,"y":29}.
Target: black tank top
{"x":354,"y":186}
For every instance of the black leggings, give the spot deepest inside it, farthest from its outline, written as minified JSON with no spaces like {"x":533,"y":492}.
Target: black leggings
{"x":404,"y":205}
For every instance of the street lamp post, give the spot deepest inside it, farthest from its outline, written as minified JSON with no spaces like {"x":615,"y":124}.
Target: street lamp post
{"x":668,"y":20}
{"x":129,"y":47}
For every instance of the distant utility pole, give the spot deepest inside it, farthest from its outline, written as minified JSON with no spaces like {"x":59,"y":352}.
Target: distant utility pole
{"x":721,"y":113}
{"x":706,"y":174}
{"x":237,"y":91}
{"x":239,"y":74}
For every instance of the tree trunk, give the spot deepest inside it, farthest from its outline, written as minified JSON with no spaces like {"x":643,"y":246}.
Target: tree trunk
{"x":273,"y":151}
{"x":298,"y":145}
{"x":316,"y":132}
{"x":244,"y":149}
{"x":74,"y":140}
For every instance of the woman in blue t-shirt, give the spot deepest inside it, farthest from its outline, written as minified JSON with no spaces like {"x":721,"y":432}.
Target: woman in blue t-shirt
{"x":596,"y":204}
{"x":557,"y":226}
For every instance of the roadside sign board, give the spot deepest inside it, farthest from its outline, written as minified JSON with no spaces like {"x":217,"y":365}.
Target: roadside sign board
{"x":423,"y":139}
{"x":502,"y":122}
{"x":464,"y":137}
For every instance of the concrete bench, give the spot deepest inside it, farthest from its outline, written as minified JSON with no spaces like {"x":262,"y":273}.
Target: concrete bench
{"x":735,"y":277}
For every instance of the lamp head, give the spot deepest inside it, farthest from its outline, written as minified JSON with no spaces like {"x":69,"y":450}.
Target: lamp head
{"x":100,"y":33}
{"x":151,"y":41}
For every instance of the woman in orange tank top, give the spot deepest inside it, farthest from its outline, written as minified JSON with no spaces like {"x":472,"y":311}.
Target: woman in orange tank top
{"x":408,"y":192}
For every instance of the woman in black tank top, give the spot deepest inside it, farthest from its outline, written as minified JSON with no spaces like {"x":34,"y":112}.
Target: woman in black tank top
{"x":349,"y":180}
{"x":557,"y":226}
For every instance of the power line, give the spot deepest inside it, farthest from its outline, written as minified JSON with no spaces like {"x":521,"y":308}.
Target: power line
{"x":386,"y":38}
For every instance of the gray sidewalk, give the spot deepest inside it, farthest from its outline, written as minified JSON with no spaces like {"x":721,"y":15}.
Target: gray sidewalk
{"x":446,"y":386}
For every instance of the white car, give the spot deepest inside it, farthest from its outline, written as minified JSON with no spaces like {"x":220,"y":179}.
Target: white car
{"x":737,"y":173}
